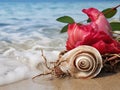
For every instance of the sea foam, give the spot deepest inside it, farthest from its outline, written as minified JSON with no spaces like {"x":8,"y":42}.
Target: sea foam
{"x":21,"y":65}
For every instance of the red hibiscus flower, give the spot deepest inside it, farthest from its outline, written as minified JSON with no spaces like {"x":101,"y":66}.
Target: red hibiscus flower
{"x":97,"y":33}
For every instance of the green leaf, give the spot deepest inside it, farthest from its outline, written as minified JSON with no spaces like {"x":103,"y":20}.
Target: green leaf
{"x":64,"y":29}
{"x":109,"y":12}
{"x":88,"y":20}
{"x":66,"y":19}
{"x":115,"y":25}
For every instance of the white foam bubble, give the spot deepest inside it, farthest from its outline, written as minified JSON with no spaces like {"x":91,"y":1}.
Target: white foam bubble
{"x":18,"y":65}
{"x":11,"y":70}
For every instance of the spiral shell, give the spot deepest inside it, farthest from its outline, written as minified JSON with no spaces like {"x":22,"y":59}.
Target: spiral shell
{"x":82,"y":62}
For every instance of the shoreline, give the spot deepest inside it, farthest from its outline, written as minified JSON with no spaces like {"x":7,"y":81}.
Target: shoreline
{"x":106,"y":82}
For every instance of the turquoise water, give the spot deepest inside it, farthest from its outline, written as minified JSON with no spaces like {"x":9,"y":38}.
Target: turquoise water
{"x":25,"y":28}
{"x":20,"y":21}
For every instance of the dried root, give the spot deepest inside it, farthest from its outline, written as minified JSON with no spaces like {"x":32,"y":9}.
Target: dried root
{"x":111,"y":62}
{"x":55,"y":70}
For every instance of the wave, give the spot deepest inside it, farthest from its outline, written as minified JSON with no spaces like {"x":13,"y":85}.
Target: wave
{"x":25,"y":28}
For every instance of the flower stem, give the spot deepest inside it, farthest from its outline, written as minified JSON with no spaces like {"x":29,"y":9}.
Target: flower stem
{"x":116,"y":6}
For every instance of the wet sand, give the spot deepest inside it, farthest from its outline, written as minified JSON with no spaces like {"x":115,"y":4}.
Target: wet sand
{"x":102,"y":82}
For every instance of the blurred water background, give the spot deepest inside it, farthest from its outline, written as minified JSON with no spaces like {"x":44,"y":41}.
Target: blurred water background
{"x":26,"y":27}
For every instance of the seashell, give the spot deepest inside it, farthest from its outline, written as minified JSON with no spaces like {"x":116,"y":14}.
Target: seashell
{"x":82,"y":62}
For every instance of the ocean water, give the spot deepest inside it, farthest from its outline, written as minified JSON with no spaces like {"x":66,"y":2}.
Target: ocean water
{"x":26,"y":28}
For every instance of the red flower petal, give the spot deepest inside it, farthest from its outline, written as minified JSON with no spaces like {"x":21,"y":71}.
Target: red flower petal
{"x":99,"y":19}
{"x":96,"y":34}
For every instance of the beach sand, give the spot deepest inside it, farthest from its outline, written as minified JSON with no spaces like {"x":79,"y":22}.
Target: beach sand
{"x":102,"y":82}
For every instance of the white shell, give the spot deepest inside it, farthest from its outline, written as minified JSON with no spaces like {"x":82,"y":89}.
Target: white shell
{"x":82,"y":62}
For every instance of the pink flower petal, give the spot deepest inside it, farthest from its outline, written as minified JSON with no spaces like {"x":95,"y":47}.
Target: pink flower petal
{"x":97,"y":34}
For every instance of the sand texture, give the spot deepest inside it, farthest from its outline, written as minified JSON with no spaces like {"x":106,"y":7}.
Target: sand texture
{"x":102,"y":82}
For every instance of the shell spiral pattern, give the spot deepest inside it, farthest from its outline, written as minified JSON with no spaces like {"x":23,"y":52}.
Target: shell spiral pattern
{"x":82,"y":62}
